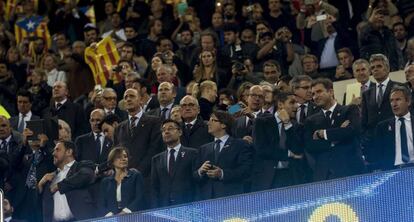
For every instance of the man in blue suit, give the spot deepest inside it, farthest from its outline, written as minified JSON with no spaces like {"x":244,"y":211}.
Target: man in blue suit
{"x":171,"y":171}
{"x":223,"y":165}
{"x":332,"y":135}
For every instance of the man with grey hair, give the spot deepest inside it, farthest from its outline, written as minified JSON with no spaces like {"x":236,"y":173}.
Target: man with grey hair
{"x":409,"y":77}
{"x":166,"y":73}
{"x":301,"y":86}
{"x":195,"y":130}
{"x":109,"y":102}
{"x":375,"y":107}
{"x":362,"y":72}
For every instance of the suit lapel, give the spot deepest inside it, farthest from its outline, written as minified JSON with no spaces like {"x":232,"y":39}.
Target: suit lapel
{"x":386,"y":92}
{"x":164,"y":158}
{"x":225,"y":148}
{"x":72,"y":169}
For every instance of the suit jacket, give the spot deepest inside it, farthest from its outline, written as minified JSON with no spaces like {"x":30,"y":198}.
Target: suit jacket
{"x":157,"y":112}
{"x":86,"y":148}
{"x":340,"y":155}
{"x":152,"y":104}
{"x":45,"y":165}
{"x":71,"y":113}
{"x":132,"y":190}
{"x":235,"y":160}
{"x":176,"y":189}
{"x":121,"y":114}
{"x":385,"y":141}
{"x":14,"y":121}
{"x":268,"y":152}
{"x":371,"y":116}
{"x":143,"y":142}
{"x":75,"y":187}
{"x":241,"y":128}
{"x":197,"y":136}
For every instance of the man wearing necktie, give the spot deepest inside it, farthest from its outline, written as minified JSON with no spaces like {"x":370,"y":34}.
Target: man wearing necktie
{"x":332,"y":135}
{"x":166,"y":95}
{"x":223,"y":165}
{"x":394,"y":136}
{"x":195,"y":132}
{"x":24,"y":106}
{"x":375,"y":107}
{"x":109,"y":102}
{"x":277,"y":144}
{"x":301,"y":86}
{"x":172,"y":179}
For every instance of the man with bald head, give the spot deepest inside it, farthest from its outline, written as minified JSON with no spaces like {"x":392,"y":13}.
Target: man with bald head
{"x":244,"y":124}
{"x":195,"y":130}
{"x":64,"y":109}
{"x":94,"y":146}
{"x":11,"y":143}
{"x":166,"y":95}
{"x":140,"y":134}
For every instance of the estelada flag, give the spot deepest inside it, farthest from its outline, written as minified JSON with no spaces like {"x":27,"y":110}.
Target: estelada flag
{"x":33,"y":26}
{"x":121,"y":4}
{"x":101,"y":58}
{"x":89,"y":12}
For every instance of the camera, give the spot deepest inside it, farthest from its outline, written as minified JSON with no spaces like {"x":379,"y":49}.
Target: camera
{"x":239,"y":66}
{"x":117,"y":69}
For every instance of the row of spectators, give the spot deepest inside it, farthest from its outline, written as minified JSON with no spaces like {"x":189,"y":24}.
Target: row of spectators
{"x":216,"y":98}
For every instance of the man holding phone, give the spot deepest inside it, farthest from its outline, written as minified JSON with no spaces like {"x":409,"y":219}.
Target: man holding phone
{"x":223,"y":165}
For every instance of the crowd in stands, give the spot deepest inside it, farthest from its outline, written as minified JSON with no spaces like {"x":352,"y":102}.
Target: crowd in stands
{"x":214,"y":98}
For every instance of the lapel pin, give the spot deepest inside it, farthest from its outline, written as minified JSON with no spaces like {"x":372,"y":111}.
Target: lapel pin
{"x":338,"y":114}
{"x":226,"y":146}
{"x":182,"y":154}
{"x":389,"y":128}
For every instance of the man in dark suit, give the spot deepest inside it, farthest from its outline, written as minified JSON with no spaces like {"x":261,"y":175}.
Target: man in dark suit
{"x":195,"y":132}
{"x":244,"y":124}
{"x":64,"y":109}
{"x":276,"y":141}
{"x":166,"y":95}
{"x":332,"y":135}
{"x":94,"y":146}
{"x":301,"y":86}
{"x":375,"y":107}
{"x":109,"y":102}
{"x":144,"y":89}
{"x":172,"y":170}
{"x":140,"y":134}
{"x":223,"y":165}
{"x":65,"y":191}
{"x":362,"y":71}
{"x":11,"y":155}
{"x":394,"y":136}
{"x":36,"y":162}
{"x":24,"y":106}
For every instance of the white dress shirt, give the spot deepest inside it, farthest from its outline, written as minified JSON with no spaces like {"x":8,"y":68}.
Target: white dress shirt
{"x":384,"y":86}
{"x":138,"y":115}
{"x":101,"y":139}
{"x":61,"y":102}
{"x":254,"y":114}
{"x":61,"y":210}
{"x":324,"y":111}
{"x":328,"y":57}
{"x":168,"y":112}
{"x":26,"y":118}
{"x":409,"y":132}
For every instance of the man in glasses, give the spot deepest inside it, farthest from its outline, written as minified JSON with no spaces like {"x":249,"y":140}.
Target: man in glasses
{"x":223,"y":165}
{"x":110,"y":102}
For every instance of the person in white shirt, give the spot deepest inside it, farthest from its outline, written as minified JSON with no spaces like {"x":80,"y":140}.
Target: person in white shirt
{"x":65,"y":191}
{"x":394,"y":136}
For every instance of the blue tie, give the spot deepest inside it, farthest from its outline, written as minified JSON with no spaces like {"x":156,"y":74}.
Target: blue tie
{"x":404,"y":144}
{"x":217,"y":151}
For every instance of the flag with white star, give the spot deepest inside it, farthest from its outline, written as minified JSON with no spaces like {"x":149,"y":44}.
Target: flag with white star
{"x":31,"y":27}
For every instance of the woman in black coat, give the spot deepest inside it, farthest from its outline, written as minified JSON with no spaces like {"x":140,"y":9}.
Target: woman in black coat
{"x":122,"y":192}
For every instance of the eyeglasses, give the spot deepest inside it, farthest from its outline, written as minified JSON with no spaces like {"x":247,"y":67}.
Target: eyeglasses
{"x":109,"y":98}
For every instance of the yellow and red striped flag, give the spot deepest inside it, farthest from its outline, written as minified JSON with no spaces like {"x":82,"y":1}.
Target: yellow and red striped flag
{"x":33,"y":26}
{"x":101,"y":58}
{"x":121,"y":4}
